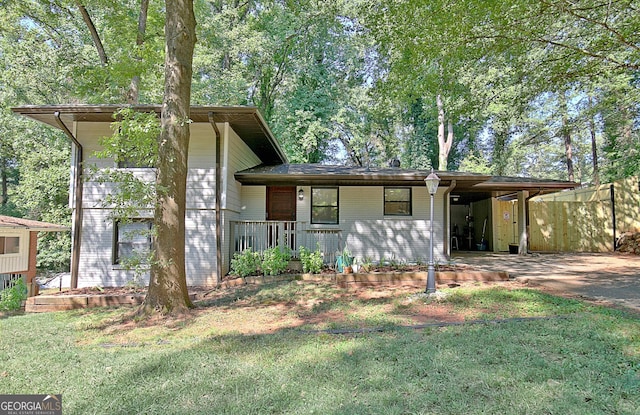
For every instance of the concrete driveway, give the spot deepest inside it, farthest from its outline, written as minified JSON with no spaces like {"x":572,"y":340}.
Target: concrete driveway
{"x":607,"y":277}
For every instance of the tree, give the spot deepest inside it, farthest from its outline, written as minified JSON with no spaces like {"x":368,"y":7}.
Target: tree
{"x":509,"y":54}
{"x":167,"y":291}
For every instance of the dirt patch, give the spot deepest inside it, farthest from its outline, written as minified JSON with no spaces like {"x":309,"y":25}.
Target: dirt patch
{"x":110,"y":291}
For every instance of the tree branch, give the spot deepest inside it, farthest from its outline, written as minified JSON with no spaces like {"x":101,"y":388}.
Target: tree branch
{"x":94,"y":33}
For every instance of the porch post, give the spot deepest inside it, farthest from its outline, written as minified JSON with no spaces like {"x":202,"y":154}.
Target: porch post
{"x":523,"y":196}
{"x":31,"y":271}
{"x":218,"y":197}
{"x":75,"y":199}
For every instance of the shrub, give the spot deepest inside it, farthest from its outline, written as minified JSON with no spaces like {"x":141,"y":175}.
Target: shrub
{"x":311,"y":261}
{"x":11,"y":298}
{"x":245,"y":263}
{"x":275,"y":260}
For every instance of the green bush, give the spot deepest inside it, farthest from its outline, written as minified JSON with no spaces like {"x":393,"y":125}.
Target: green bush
{"x":245,"y":263}
{"x":275,"y":260}
{"x":311,"y":261}
{"x":12,"y":297}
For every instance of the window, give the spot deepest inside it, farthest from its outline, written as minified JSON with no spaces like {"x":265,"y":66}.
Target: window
{"x":397,"y":201}
{"x":132,"y":240}
{"x":324,"y":205}
{"x":9,"y":245}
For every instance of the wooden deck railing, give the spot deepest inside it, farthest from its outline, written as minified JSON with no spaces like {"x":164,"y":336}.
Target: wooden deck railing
{"x":261,"y":235}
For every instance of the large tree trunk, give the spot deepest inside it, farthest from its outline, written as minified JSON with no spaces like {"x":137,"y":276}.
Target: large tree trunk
{"x":444,"y":146}
{"x":168,"y":284}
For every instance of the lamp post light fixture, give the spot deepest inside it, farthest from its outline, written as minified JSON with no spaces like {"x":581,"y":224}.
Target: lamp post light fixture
{"x":432,"y":181}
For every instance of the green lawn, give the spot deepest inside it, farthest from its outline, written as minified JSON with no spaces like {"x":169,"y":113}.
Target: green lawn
{"x":581,"y":359}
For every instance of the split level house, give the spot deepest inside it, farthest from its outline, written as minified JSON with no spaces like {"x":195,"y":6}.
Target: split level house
{"x":236,"y":167}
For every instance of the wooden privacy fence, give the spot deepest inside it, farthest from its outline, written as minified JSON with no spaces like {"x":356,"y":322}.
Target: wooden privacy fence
{"x":584,"y":220}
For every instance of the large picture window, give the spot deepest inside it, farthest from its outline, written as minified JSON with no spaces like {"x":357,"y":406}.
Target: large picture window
{"x":324,"y":205}
{"x":397,"y":201}
{"x":9,"y":245}
{"x":132,"y":240}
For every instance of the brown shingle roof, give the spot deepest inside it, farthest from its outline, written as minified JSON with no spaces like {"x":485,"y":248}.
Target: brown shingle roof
{"x":9,"y":222}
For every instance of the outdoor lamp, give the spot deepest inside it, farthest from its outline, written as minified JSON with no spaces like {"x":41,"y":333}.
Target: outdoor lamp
{"x":432,"y":181}
{"x":300,"y":194}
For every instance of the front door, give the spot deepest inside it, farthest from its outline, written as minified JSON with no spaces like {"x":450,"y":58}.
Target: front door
{"x":281,"y":203}
{"x":281,"y":206}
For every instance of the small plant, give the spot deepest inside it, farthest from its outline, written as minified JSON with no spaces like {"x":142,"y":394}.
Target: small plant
{"x":401,"y":265}
{"x":11,"y":298}
{"x":366,"y":264}
{"x":138,"y":262}
{"x":347,"y":258}
{"x":275,"y":260}
{"x":311,"y":261}
{"x":245,"y":263}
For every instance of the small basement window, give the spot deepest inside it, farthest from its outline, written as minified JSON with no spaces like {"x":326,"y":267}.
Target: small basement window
{"x":397,"y":201}
{"x":132,"y":240}
{"x":9,"y":245}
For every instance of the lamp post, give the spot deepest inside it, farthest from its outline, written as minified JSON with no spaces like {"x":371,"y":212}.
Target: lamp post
{"x":432,"y":181}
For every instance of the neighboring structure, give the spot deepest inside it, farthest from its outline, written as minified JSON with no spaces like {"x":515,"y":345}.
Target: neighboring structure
{"x":19,"y":246}
{"x":263,"y":201}
{"x":589,"y":219}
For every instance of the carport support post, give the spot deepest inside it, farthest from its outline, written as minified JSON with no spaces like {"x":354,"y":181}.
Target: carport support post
{"x":523,"y":195}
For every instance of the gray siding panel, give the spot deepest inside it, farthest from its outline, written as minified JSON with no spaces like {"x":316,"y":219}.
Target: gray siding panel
{"x":238,"y":156}
{"x":405,"y":239}
{"x":97,"y":269}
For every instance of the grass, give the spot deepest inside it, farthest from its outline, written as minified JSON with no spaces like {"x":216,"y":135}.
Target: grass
{"x":250,"y":351}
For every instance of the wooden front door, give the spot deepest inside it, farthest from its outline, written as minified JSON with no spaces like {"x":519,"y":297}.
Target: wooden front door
{"x":281,"y":206}
{"x":281,"y":203}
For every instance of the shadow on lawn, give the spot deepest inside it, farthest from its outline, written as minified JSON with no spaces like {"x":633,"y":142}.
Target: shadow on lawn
{"x":285,"y":305}
{"x":479,"y":369}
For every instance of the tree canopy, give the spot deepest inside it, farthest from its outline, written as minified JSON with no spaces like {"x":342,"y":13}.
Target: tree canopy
{"x":530,"y":87}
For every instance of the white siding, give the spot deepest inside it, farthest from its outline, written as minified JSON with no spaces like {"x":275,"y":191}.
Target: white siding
{"x":14,"y":263}
{"x":96,"y":259}
{"x":368,"y":233}
{"x":96,"y":255}
{"x":96,"y":252}
{"x":200,"y":250}
{"x":89,"y":135}
{"x":364,"y":227}
{"x":201,"y":178}
{"x":254,"y":203}
{"x":237,"y":156}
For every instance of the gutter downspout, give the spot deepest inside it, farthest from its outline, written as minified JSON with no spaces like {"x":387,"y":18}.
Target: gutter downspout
{"x":218,"y":199}
{"x":76,"y":218}
{"x":447,"y":218}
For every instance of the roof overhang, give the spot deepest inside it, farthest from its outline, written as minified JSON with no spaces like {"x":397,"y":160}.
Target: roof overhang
{"x":247,"y":122}
{"x":323,"y":175}
{"x":11,"y":223}
{"x":472,"y":185}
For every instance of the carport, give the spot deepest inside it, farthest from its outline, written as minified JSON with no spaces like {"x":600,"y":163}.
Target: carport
{"x":491,"y":215}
